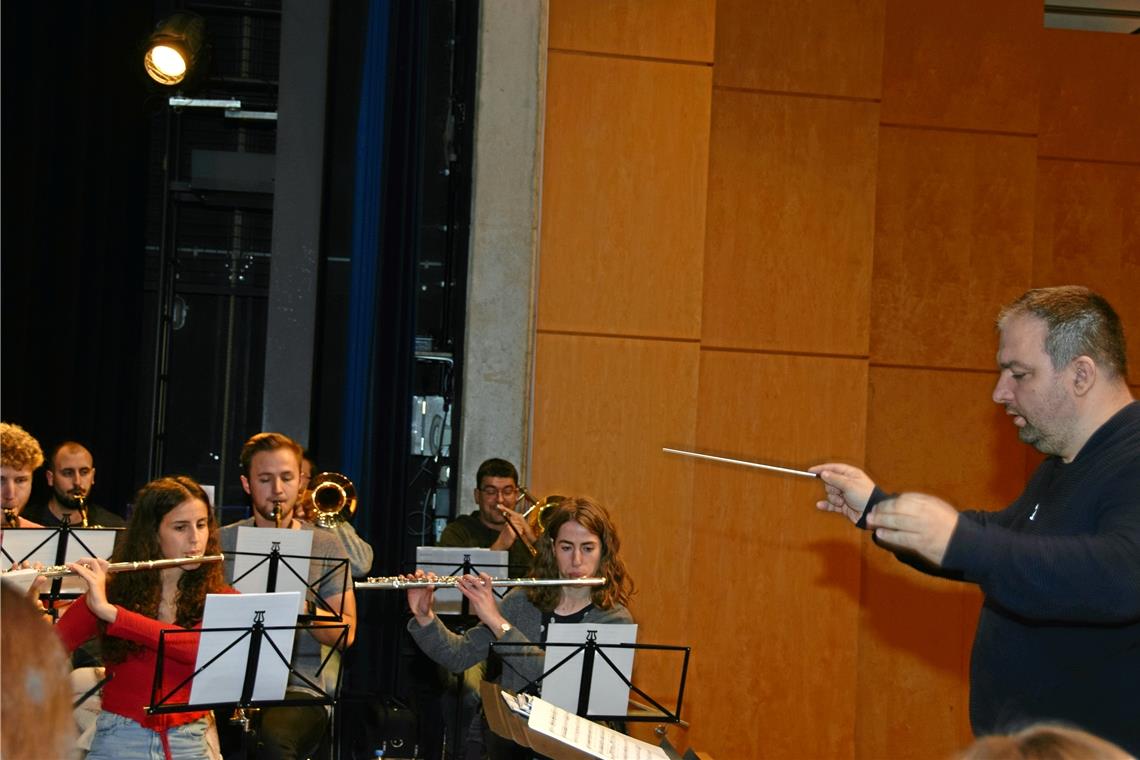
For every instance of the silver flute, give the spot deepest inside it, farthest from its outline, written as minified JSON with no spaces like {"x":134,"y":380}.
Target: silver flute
{"x":451,"y":581}
{"x":59,"y":571}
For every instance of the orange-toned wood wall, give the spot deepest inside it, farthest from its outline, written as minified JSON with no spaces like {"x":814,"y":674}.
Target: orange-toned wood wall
{"x":782,"y":230}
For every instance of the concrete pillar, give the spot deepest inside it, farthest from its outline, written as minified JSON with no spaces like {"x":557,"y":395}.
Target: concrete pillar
{"x":502,"y":274}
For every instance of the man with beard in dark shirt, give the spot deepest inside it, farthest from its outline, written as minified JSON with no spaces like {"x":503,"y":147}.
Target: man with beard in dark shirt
{"x":71,"y":476}
{"x":1058,"y":638}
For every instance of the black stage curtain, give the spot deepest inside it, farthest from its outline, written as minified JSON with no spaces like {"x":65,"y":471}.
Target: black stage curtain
{"x":75,"y":143}
{"x":386,"y":415}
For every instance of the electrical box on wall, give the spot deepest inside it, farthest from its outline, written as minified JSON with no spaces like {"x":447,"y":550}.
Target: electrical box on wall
{"x":431,"y":427}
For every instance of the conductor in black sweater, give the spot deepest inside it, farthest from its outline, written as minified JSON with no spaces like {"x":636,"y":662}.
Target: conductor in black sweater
{"x":1058,"y":638}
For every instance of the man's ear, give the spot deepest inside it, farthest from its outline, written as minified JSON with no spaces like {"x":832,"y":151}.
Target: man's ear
{"x":92,"y":476}
{"x":1084,"y":374}
{"x":245,"y":485}
{"x":50,"y":477}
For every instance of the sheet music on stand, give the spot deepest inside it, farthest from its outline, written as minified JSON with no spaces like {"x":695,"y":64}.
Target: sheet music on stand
{"x":223,"y":682}
{"x":246,"y":664}
{"x":459,"y":560}
{"x":608,"y":682}
{"x":255,"y":570}
{"x":587,"y":736}
{"x":559,"y":734}
{"x":56,"y":546}
{"x":611,"y":658}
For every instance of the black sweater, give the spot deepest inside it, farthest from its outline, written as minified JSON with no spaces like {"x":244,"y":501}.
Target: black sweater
{"x":1059,"y":633}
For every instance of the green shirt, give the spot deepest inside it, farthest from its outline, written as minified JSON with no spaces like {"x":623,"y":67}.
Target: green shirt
{"x":469,"y":530}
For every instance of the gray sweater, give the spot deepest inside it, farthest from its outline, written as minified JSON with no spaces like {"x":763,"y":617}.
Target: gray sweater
{"x":520,"y":664}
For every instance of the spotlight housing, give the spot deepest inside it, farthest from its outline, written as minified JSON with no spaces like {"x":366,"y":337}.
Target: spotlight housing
{"x":174,"y":48}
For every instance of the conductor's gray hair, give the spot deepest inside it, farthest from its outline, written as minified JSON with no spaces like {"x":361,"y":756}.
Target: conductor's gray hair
{"x":1079,"y":323}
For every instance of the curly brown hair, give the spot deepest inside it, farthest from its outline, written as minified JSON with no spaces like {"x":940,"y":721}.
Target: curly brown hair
{"x":141,"y":591}
{"x":18,"y":449}
{"x":595,"y":518}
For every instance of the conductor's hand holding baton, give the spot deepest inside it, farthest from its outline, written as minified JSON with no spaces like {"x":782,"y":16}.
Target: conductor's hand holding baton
{"x":846,"y":488}
{"x":917,"y":523}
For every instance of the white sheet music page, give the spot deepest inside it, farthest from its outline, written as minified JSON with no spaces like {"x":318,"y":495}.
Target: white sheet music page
{"x":222,"y":681}
{"x":444,"y":560}
{"x":589,"y":737}
{"x":40,"y":544}
{"x":609,"y":694}
{"x":252,"y":567}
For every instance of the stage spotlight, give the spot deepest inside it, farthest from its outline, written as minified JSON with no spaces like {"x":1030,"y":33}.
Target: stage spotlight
{"x":174,"y":48}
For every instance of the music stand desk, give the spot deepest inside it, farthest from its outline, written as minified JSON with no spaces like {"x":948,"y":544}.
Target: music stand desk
{"x":161,"y":700}
{"x":510,"y":725}
{"x":276,"y":560}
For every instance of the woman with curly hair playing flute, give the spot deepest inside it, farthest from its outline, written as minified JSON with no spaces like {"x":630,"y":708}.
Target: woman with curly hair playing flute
{"x":126,"y":611}
{"x":579,"y":541}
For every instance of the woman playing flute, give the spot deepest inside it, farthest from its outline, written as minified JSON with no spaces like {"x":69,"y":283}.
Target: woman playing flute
{"x":172,"y":518}
{"x":580,"y":541}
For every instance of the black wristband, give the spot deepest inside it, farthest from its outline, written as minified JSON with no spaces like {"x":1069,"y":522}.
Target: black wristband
{"x":877,"y":495}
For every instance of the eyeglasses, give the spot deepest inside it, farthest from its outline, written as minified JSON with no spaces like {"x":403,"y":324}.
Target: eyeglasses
{"x":507,"y":491}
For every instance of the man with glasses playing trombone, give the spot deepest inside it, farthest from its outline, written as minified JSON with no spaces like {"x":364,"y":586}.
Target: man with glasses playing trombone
{"x":495,"y":525}
{"x":489,"y":527}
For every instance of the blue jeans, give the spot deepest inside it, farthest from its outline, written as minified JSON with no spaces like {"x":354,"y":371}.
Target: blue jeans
{"x":119,"y":738}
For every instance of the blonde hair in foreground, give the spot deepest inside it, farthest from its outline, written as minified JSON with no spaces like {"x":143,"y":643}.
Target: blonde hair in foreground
{"x":1044,"y":742}
{"x":36,"y":710}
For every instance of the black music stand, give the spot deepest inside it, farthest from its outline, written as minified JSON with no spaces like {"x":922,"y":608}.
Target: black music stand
{"x":465,"y":567}
{"x":279,"y":566}
{"x":258,"y":638}
{"x":462,"y":622}
{"x":65,"y":537}
{"x":509,"y":716}
{"x":591,"y":650}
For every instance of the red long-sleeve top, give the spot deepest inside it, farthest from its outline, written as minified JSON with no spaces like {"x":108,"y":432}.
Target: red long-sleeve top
{"x":129,"y":690}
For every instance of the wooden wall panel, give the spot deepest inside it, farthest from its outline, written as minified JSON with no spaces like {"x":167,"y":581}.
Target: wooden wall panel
{"x":940,"y":432}
{"x":953,"y":242}
{"x":968,"y":64}
{"x":606,"y":407}
{"x":827,"y":47}
{"x":936,"y":432}
{"x":624,"y":188}
{"x":834,"y":228}
{"x":1090,"y":101}
{"x":915,"y":634}
{"x":671,"y":29}
{"x":790,"y":223}
{"x":775,"y":582}
{"x":1088,"y":233}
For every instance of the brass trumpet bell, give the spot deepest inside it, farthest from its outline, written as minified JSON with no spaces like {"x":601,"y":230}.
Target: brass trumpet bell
{"x":330,"y":499}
